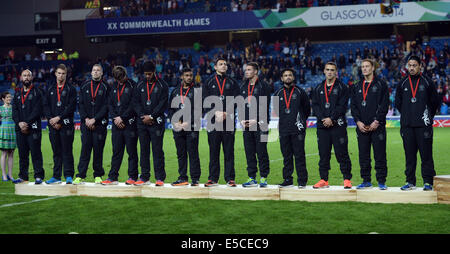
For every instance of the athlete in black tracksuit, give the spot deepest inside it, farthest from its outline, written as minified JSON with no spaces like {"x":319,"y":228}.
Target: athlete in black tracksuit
{"x":61,"y":102}
{"x":27,"y":108}
{"x":150,"y":100}
{"x":253,"y":144}
{"x":222,"y":86}
{"x":373,"y":109}
{"x":185,"y":99}
{"x":335,"y":135}
{"x":93,"y":104}
{"x":416,"y":120}
{"x":294,"y":110}
{"x":125,"y":134}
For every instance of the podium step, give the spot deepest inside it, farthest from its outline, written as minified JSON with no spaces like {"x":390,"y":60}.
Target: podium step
{"x":441,"y":193}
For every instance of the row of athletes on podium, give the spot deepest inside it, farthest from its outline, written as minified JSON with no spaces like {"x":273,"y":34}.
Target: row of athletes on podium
{"x":137,"y":111}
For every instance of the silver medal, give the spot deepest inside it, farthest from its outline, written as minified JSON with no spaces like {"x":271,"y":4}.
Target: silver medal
{"x":327,"y":105}
{"x":148,"y":103}
{"x":413,"y":100}
{"x":363,"y":103}
{"x":58,"y":104}
{"x":287,"y":111}
{"x":222,"y":97}
{"x":182,"y":106}
{"x":118,"y":104}
{"x":93,"y":103}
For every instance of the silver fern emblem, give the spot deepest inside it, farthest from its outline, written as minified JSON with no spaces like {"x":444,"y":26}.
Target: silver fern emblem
{"x":299,"y":122}
{"x":425,"y":117}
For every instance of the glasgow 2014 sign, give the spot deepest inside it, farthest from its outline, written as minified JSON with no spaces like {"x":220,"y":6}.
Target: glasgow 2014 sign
{"x":269,"y":19}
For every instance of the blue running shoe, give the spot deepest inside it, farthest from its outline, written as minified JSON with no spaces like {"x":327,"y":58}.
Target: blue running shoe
{"x":20,"y":181}
{"x":408,"y":186}
{"x":427,"y":187}
{"x":38,"y":181}
{"x":251,"y":182}
{"x":364,"y":185}
{"x":382,"y":186}
{"x":263,"y":182}
{"x":69,"y":180}
{"x":52,"y":180}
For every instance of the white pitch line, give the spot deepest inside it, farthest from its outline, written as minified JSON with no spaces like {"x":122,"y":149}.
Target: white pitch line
{"x":29,"y":202}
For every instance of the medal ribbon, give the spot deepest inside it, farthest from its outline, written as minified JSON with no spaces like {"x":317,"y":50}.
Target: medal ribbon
{"x":286,"y":101}
{"x":26,"y":95}
{"x":58,"y":92}
{"x":151,"y":90}
{"x":413,"y":91}
{"x":119,"y":94}
{"x":325,"y":88}
{"x":223,"y":85}
{"x":96,"y":90}
{"x":367,"y":90}
{"x":181,"y":93}
{"x":253,"y":88}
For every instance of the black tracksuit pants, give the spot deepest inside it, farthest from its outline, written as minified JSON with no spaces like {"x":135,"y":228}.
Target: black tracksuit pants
{"x":186,"y":143}
{"x":377,"y":140}
{"x":92,"y":140}
{"x":27,"y":143}
{"x":215,"y":139}
{"x":293,"y":146}
{"x":337,"y":137}
{"x":62,"y":143}
{"x":254,"y":147}
{"x":421,"y":139}
{"x":155,"y":136}
{"x":121,"y":138}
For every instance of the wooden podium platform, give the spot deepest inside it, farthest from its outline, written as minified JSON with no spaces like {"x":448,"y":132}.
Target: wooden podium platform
{"x":441,"y":193}
{"x":442,"y":187}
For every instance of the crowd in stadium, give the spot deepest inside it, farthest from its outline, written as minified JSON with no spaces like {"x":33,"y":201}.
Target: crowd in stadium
{"x":272,"y":58}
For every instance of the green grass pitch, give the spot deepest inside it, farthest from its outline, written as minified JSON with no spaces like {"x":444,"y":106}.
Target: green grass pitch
{"x":118,"y":215}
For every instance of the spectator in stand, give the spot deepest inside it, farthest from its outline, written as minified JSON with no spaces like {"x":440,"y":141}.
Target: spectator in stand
{"x":446,"y":98}
{"x":341,"y":62}
{"x":277,"y":46}
{"x":133,"y":60}
{"x":234,"y":6}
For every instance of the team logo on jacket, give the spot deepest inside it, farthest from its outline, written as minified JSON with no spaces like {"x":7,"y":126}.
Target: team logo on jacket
{"x":425,"y":117}
{"x":299,"y":123}
{"x":340,"y":122}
